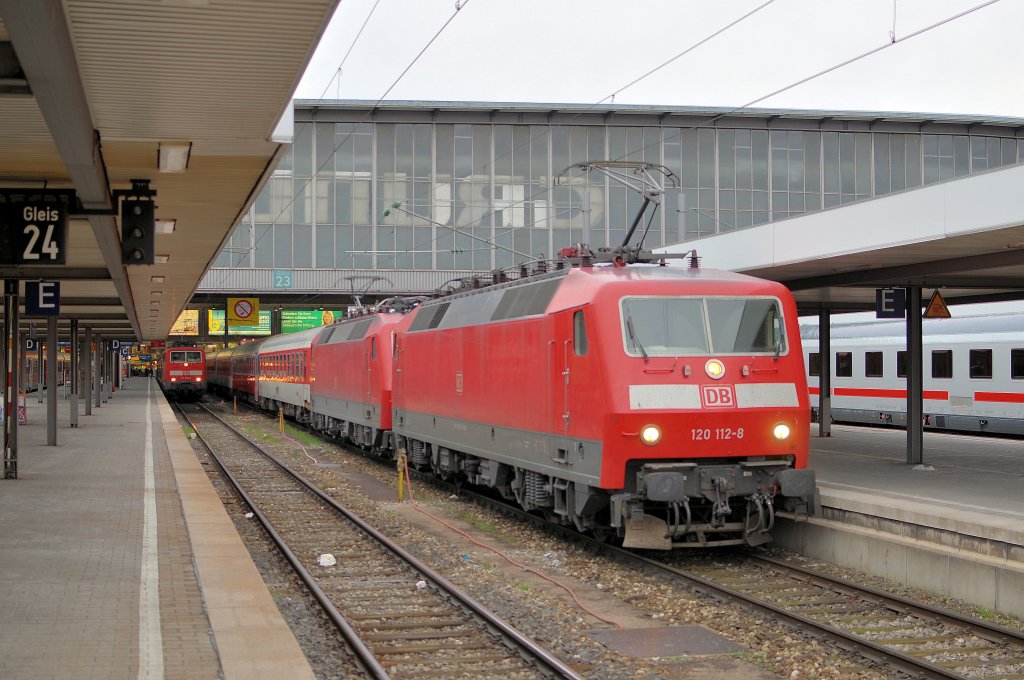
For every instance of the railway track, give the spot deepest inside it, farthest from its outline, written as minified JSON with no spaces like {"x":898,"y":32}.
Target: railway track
{"x":399,"y":617}
{"x":914,"y":637}
{"x":888,"y":630}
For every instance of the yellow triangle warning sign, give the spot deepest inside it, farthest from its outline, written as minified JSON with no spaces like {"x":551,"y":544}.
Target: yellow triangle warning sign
{"x":936,"y":308}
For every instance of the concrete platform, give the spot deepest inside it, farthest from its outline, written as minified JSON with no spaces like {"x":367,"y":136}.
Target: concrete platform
{"x":953,"y":526}
{"x":117,"y":559}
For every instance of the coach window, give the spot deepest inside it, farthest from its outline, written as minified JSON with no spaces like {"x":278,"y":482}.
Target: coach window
{"x":1017,"y":364}
{"x":813,"y":364}
{"x":872,"y":364}
{"x":981,"y":363}
{"x":579,"y":334}
{"x":901,"y":363}
{"x":942,"y":363}
{"x":844,"y":364}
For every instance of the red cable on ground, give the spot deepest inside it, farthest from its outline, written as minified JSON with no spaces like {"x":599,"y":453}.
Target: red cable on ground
{"x":505,"y":557}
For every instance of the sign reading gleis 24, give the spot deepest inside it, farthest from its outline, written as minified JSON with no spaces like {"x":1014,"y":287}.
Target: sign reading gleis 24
{"x":33,"y":232}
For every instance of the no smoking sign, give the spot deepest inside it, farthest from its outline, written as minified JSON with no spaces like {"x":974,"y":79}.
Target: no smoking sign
{"x":243,"y":310}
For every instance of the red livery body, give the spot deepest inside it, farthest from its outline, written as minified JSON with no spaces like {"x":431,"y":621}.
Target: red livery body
{"x":352,"y":365}
{"x":664,"y":405}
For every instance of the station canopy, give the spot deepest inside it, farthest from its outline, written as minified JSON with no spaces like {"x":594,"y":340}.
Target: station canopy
{"x":192,"y":95}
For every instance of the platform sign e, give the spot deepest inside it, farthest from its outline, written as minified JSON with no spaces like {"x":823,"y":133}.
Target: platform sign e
{"x":42,"y":298}
{"x":890,"y":303}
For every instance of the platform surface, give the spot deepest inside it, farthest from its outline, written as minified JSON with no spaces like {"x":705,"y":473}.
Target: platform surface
{"x":971,"y":484}
{"x":117,"y":559}
{"x":88,"y":592}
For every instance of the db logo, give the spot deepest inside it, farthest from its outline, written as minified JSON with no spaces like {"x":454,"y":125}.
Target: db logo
{"x":717,"y":396}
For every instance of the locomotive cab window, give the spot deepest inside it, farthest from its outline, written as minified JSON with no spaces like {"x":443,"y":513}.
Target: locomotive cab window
{"x":579,"y":334}
{"x":844,"y":364}
{"x":1017,"y":364}
{"x":872,"y":364}
{"x":673,"y":326}
{"x":942,"y":363}
{"x":980,"y":363}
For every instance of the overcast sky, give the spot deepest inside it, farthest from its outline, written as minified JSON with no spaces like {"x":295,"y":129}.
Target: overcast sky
{"x":582,"y":51}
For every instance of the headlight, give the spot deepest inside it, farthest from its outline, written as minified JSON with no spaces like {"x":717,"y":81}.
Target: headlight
{"x":714,"y":368}
{"x":650,"y":435}
{"x":781,"y":432}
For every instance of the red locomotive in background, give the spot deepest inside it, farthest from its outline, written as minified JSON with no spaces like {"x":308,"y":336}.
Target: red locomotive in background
{"x":181,"y":372}
{"x":664,"y":405}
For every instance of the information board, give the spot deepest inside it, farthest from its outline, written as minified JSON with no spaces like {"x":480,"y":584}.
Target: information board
{"x":33,"y":232}
{"x":215,"y":321}
{"x":295,"y":320}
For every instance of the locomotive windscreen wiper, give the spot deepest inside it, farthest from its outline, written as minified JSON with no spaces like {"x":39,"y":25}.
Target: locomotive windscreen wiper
{"x":632,"y":336}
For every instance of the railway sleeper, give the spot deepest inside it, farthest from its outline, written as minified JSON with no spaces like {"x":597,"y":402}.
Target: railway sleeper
{"x":449,"y":661}
{"x":426,"y":614}
{"x":432,"y":649}
{"x":434,"y":635}
{"x":935,"y":651}
{"x":400,"y":625}
{"x":974,"y":663}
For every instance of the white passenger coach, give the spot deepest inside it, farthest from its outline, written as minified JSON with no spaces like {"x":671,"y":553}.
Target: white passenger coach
{"x":973,"y":370}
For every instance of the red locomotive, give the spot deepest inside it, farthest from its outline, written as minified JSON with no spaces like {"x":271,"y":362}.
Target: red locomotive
{"x":664,"y":405}
{"x":661,"y":404}
{"x":182,"y":372}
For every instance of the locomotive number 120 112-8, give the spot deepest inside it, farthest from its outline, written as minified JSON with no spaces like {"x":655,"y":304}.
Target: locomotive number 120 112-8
{"x":700,"y":434}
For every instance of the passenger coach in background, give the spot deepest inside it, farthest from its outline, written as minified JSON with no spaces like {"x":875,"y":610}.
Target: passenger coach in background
{"x":973,"y":371}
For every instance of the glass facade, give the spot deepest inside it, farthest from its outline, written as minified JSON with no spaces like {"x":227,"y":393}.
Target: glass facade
{"x":375,"y":194}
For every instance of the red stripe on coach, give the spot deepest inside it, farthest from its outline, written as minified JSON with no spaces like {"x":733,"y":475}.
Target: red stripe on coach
{"x":1003,"y":397}
{"x":940,"y":395}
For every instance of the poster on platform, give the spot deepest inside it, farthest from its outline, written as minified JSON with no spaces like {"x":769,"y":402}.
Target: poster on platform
{"x":295,"y":320}
{"x":215,"y":322}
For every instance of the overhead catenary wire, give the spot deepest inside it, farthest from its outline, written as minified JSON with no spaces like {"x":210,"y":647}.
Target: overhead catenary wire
{"x":611,"y":97}
{"x":459,"y":6}
{"x":893,"y":41}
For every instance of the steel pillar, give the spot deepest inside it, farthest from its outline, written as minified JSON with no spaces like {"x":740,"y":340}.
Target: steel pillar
{"x":51,"y":381}
{"x":915,"y":379}
{"x":87,"y":382}
{"x":75,"y":366}
{"x":13,"y":364}
{"x":825,"y":378}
